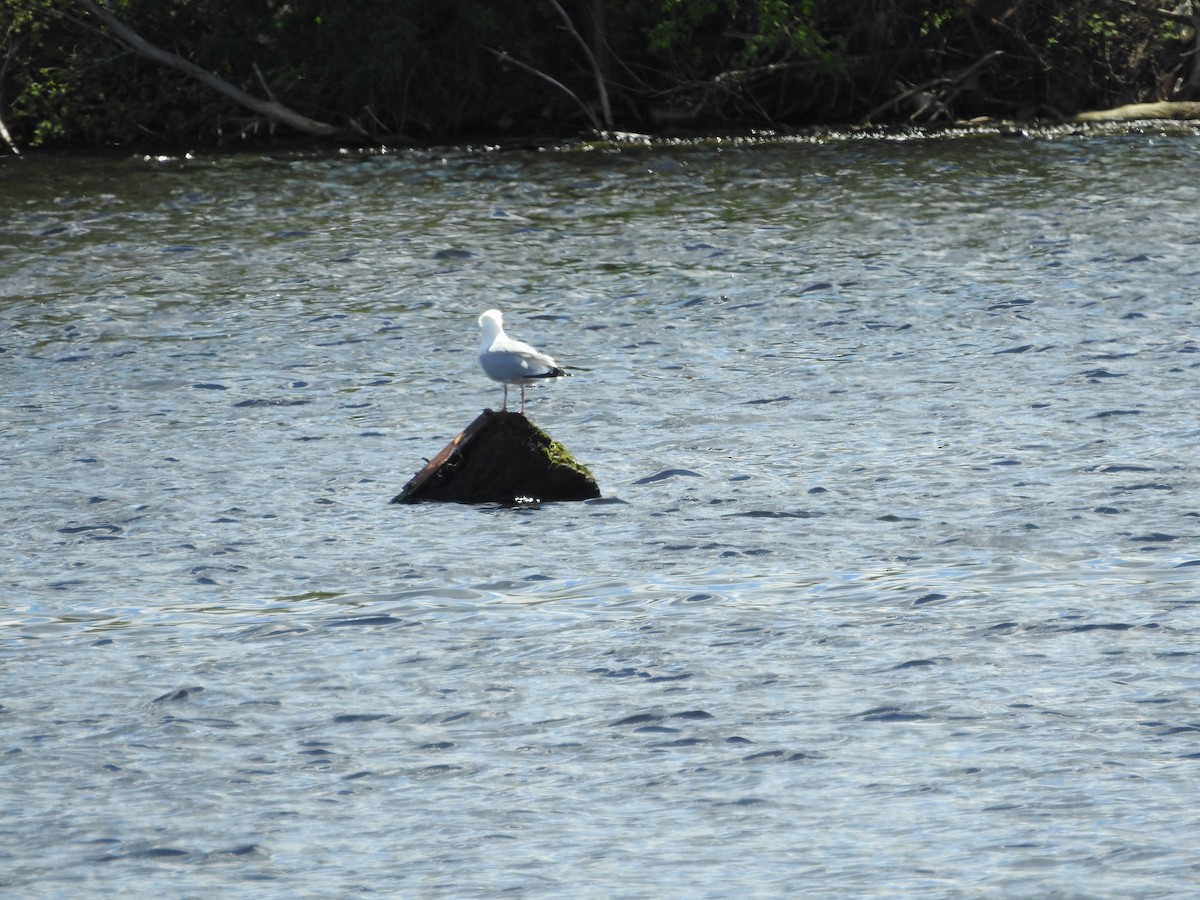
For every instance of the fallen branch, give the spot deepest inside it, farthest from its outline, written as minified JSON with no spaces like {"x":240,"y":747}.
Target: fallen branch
{"x":1136,"y":111}
{"x":272,"y":109}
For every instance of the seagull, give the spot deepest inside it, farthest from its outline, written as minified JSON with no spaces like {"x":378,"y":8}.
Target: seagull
{"x":511,"y":362}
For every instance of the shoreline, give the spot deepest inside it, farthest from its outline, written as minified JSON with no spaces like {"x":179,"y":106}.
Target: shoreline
{"x":1086,"y":125}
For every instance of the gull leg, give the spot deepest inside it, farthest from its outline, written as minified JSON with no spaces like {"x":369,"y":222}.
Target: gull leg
{"x":522,"y":399}
{"x":504,"y":405}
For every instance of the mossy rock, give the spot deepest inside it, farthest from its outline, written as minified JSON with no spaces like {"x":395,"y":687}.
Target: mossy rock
{"x":501,"y":457}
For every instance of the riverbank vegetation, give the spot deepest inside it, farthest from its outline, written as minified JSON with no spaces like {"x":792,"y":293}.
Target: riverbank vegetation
{"x":180,"y":73}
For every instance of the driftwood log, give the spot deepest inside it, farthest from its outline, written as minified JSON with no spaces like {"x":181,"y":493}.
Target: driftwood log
{"x":501,"y":457}
{"x":1179,"y":109}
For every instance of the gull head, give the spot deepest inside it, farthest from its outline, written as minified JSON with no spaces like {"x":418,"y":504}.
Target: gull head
{"x":491,"y":323}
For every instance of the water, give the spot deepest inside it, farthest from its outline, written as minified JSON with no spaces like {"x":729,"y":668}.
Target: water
{"x":892,"y":590}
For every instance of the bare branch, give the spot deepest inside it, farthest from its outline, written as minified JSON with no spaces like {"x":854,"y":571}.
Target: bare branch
{"x":949,"y":84}
{"x":587,"y":110}
{"x":270,"y":108}
{"x":262,"y":82}
{"x":597,"y":72}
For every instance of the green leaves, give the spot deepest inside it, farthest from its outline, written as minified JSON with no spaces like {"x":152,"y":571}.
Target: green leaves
{"x":747,"y":32}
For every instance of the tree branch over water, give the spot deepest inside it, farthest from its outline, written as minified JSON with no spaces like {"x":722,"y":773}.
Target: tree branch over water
{"x":272,"y":109}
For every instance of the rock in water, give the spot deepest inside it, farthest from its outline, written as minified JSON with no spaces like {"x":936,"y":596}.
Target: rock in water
{"x":501,"y":457}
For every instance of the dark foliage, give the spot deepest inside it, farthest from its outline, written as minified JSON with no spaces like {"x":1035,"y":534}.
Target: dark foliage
{"x":445,"y":69}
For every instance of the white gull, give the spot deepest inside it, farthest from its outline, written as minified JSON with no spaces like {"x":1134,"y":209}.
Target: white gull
{"x":511,"y":362}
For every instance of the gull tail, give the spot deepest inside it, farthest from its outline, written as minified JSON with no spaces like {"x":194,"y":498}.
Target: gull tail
{"x":553,"y":373}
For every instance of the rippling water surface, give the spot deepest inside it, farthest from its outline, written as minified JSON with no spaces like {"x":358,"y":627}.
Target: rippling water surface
{"x":893,"y":589}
